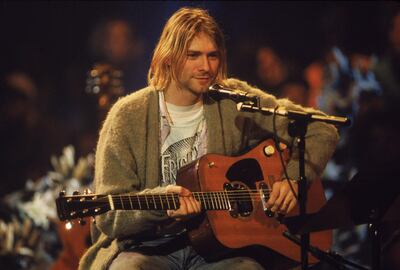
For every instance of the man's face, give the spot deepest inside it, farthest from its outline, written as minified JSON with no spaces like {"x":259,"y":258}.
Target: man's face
{"x":200,"y":66}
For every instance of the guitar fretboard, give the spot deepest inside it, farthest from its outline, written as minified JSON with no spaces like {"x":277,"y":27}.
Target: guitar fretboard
{"x":218,"y":200}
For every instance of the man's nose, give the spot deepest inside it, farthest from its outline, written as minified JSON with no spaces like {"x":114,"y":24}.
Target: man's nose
{"x":204,"y":65}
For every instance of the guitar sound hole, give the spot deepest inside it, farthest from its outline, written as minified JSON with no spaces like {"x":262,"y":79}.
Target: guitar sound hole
{"x":239,"y":198}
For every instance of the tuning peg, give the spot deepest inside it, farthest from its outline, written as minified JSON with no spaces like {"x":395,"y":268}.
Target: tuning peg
{"x":76,"y":193}
{"x":68,"y":225}
{"x":62,"y":193}
{"x":82,"y":222}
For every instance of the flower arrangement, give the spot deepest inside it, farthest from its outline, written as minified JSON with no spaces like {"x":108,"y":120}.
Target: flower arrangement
{"x":28,"y":236}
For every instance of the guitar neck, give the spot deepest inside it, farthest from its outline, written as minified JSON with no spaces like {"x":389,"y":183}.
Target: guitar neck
{"x":218,"y":200}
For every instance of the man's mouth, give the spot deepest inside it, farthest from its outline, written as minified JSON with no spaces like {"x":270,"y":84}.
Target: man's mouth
{"x":203,"y":80}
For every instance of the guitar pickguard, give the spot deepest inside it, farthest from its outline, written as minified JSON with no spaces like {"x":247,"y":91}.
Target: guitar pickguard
{"x":246,"y":170}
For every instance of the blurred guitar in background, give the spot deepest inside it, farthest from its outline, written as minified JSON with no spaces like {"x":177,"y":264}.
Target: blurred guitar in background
{"x":104,"y":82}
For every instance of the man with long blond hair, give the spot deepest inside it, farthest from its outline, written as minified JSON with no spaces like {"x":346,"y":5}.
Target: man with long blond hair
{"x":150,"y":134}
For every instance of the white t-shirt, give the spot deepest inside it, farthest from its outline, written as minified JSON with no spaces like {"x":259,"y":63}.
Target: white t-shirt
{"x":185,"y":141}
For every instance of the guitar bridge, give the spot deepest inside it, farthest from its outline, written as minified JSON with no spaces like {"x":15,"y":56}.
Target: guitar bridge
{"x":264,"y":195}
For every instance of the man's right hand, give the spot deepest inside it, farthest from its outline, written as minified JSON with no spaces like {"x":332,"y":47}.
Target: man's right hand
{"x":189,"y":206}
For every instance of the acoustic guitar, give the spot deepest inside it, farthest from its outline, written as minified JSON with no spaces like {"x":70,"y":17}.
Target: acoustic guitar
{"x":233,"y":192}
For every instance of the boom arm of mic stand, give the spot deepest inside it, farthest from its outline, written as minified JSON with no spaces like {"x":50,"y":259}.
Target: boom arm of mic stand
{"x":335,"y":120}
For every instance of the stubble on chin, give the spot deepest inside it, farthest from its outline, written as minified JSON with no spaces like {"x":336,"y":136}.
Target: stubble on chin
{"x":196,"y":88}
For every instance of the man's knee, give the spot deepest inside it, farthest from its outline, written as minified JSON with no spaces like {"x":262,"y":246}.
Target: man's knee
{"x":130,"y":260}
{"x":243,"y":263}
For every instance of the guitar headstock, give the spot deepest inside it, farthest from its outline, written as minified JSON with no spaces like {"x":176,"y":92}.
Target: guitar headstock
{"x":78,"y":206}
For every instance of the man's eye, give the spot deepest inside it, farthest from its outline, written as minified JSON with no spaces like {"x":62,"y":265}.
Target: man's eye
{"x":213,"y":56}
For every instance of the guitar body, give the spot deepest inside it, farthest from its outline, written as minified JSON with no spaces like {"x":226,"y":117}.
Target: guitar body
{"x":247,"y":224}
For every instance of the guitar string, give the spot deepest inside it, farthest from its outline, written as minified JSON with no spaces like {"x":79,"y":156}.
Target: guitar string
{"x":217,"y":200}
{"x":238,"y":194}
{"x":137,"y":194}
{"x":156,"y":197}
{"x":117,"y":199}
{"x":149,"y":194}
{"x":207,"y":204}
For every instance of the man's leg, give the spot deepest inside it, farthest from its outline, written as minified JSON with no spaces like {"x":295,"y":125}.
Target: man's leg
{"x":236,"y":263}
{"x":136,"y":261}
{"x":196,"y":262}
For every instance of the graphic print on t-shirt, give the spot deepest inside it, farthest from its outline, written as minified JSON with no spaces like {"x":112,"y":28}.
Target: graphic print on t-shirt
{"x":177,"y":155}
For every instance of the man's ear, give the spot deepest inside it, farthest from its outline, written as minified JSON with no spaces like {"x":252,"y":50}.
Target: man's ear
{"x":168,"y":61}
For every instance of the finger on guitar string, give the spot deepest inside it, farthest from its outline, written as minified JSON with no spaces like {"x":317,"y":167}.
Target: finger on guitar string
{"x":188,"y":205}
{"x":178,"y":190}
{"x":284,"y":207}
{"x":281,"y":197}
{"x":195,"y":204}
{"x":273,"y":196}
{"x":278,"y":196}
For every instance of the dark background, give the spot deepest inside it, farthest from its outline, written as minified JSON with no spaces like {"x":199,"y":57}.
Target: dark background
{"x":50,"y":43}
{"x":47,"y":37}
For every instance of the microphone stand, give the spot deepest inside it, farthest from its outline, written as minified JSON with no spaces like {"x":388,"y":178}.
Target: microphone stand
{"x":297,"y":129}
{"x":332,"y":258}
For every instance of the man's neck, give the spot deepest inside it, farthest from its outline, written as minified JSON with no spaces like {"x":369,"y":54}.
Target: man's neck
{"x":180,"y":97}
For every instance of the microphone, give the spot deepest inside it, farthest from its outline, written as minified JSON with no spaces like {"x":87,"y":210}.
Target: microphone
{"x":218,"y":92}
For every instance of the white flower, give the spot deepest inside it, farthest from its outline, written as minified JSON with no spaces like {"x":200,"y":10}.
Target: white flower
{"x":41,"y":208}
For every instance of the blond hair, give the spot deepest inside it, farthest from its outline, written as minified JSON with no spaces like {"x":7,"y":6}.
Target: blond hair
{"x":170,"y":52}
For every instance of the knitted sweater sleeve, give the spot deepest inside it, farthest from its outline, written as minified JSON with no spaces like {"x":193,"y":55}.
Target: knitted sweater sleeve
{"x":116,"y":173}
{"x":321,"y":138}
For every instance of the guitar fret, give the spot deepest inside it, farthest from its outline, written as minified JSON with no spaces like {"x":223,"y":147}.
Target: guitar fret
{"x":130,"y":202}
{"x":147,"y":203}
{"x":177,"y":200}
{"x":196,"y":196}
{"x":161,"y":202}
{"x":173,"y":200}
{"x":215,"y":199}
{"x":212,"y":201}
{"x":169,"y":207}
{"x":204,"y":201}
{"x":222,"y":200}
{"x":138,"y":199}
{"x":219,"y":201}
{"x":228,"y":201}
{"x":122,"y":203}
{"x":154,"y":201}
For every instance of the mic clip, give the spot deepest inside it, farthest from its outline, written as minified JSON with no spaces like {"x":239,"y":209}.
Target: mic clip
{"x":218,"y":92}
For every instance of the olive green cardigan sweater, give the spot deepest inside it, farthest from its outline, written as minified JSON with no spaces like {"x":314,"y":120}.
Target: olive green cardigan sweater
{"x":128,"y":158}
